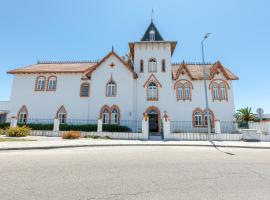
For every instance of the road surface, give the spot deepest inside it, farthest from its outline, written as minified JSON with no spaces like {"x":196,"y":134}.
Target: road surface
{"x":135,"y":173}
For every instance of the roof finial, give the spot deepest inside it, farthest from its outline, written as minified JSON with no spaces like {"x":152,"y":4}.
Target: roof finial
{"x":112,"y":48}
{"x":152,"y":14}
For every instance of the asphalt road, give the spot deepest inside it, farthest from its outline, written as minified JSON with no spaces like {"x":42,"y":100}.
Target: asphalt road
{"x":135,"y":173}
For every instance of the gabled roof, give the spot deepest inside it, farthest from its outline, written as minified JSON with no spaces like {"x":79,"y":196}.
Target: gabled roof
{"x":112,"y":53}
{"x":182,"y":68}
{"x":196,"y":71}
{"x":152,"y":27}
{"x":54,"y":67}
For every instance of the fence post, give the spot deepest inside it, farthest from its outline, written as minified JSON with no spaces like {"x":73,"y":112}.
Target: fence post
{"x":56,"y":124}
{"x":166,"y":127}
{"x":217,"y":127}
{"x":13,"y":122}
{"x":99,"y":128}
{"x":145,"y":126}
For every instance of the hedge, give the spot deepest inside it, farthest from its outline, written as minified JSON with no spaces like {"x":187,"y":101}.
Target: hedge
{"x":4,"y":125}
{"x":115,"y":128}
{"x":40,"y":127}
{"x":82,"y":127}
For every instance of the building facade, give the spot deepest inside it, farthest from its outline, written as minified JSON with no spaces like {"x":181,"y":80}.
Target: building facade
{"x":115,"y":89}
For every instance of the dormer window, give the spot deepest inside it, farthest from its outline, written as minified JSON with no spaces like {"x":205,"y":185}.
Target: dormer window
{"x":152,"y":35}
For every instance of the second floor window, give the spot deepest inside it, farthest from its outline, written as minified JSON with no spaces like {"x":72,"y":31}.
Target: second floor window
{"x":85,"y":90}
{"x":215,"y":91}
{"x":40,"y":83}
{"x":52,"y":81}
{"x":219,"y":91}
{"x":111,"y":89}
{"x":152,"y":65}
{"x":152,"y":91}
{"x":183,"y":90}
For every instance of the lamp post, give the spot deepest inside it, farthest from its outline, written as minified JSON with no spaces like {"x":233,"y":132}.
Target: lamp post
{"x":205,"y":88}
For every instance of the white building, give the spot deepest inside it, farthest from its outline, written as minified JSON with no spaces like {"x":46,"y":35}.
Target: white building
{"x":114,"y":89}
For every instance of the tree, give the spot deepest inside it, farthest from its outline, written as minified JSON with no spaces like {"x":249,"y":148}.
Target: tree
{"x":128,"y":58}
{"x":245,"y":115}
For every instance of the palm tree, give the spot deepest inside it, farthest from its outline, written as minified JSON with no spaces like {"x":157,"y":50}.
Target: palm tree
{"x":244,"y":115}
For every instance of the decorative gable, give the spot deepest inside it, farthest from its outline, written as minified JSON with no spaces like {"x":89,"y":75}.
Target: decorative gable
{"x":152,"y":78}
{"x":183,"y":70}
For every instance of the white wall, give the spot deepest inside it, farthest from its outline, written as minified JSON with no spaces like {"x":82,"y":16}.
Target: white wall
{"x":131,"y":95}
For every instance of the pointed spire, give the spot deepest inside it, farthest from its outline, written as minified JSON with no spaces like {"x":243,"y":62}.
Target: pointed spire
{"x":112,"y":48}
{"x":152,"y":29}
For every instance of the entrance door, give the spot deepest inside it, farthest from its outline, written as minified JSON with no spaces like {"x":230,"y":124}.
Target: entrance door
{"x":153,"y":122}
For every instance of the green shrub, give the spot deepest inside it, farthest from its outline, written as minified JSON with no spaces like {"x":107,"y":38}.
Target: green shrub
{"x":40,"y":127}
{"x":18,"y":131}
{"x":115,"y":128}
{"x":2,"y":132}
{"x":71,"y":135}
{"x":4,"y":125}
{"x":83,"y":127}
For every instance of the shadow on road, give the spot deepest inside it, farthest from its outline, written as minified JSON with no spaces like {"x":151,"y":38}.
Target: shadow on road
{"x":228,"y":153}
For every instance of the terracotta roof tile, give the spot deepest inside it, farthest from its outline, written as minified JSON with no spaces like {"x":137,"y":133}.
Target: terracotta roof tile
{"x":54,"y":68}
{"x":196,"y":71}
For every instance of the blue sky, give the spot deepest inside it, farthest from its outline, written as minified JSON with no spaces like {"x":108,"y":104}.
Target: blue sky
{"x":87,"y":29}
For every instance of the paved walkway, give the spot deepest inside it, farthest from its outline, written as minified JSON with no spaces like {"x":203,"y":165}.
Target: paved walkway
{"x":57,"y":142}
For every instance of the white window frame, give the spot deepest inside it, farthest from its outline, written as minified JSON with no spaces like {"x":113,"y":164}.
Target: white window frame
{"x":41,"y":83}
{"x":198,"y":119}
{"x":115,"y":116}
{"x":152,"y":91}
{"x":52,"y":83}
{"x":22,"y":118}
{"x":152,"y":65}
{"x":62,"y":116}
{"x":187,"y":91}
{"x":222,"y":91}
{"x":85,"y":88}
{"x":180,"y":91}
{"x":111,"y":89}
{"x":105,"y":116}
{"x":215,"y":91}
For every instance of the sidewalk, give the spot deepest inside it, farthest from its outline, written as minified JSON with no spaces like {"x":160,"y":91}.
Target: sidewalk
{"x":57,"y":142}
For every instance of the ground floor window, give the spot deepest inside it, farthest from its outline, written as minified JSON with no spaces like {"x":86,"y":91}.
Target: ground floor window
{"x":62,"y":115}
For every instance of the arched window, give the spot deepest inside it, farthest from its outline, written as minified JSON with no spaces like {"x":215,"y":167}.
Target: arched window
{"x":141,"y":65}
{"x":114,"y":116}
{"x":183,"y":89}
{"x":219,"y":90}
{"x":222,"y":89}
{"x":198,"y":119}
{"x":163,"y":65}
{"x":40,"y":83}
{"x":180,"y":92}
{"x":84,"y":90}
{"x":23,"y":115}
{"x":105,"y":116}
{"x":111,"y":89}
{"x":152,"y":65}
{"x":52,"y":82}
{"x":152,"y":91}
{"x":187,"y":91}
{"x":215,"y":91}
{"x":62,"y":115}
